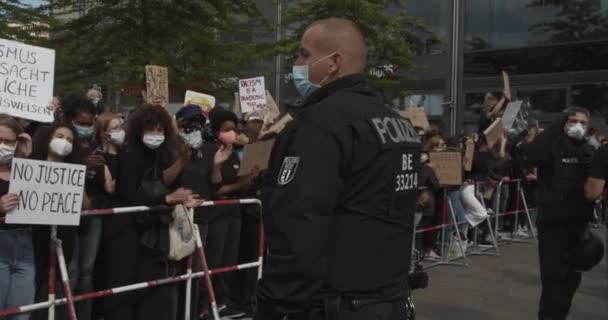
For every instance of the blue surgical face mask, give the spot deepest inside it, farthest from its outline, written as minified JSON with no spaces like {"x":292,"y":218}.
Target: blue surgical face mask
{"x":302,"y":81}
{"x":84,"y":132}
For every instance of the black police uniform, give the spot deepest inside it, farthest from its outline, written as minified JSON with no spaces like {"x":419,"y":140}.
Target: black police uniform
{"x":563,"y":166}
{"x":339,"y":201}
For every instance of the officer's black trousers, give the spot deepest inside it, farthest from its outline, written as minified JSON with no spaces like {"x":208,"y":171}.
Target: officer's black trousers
{"x":396,"y":310}
{"x":559,"y":282}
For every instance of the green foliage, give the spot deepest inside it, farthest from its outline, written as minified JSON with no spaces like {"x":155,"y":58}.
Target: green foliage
{"x":576,"y":20}
{"x":22,"y":22}
{"x":393,"y":37}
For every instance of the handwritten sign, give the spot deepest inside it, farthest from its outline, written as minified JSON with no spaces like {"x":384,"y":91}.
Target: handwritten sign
{"x":494,"y":132}
{"x":510,"y":115}
{"x":157,"y":85}
{"x":27,"y":75}
{"x":448,"y":167}
{"x":256,"y":155}
{"x":417,"y":116}
{"x":50,"y":193}
{"x":205,"y":101}
{"x":252,"y":94}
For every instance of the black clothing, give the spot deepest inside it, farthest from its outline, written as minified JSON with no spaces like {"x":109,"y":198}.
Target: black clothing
{"x":196,"y":176}
{"x":484,"y":122}
{"x":339,"y":200}
{"x":599,"y":166}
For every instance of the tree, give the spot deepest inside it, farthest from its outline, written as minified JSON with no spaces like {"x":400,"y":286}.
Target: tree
{"x":394,"y":38}
{"x":576,"y":20}
{"x":114,"y":39}
{"x":22,"y":22}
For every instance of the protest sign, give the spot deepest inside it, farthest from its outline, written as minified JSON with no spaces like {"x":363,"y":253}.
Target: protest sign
{"x":27,"y":75}
{"x":50,"y":193}
{"x":494,"y":132}
{"x":157,"y":85}
{"x":417,"y":116}
{"x":272,"y":105}
{"x":256,"y":155}
{"x":448,"y":167}
{"x":507,"y":85}
{"x":508,"y":118}
{"x":205,"y":101}
{"x":469,"y":153}
{"x":252,"y":94}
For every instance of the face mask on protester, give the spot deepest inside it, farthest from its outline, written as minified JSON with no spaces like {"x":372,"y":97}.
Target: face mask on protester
{"x":84,"y":132}
{"x":153,"y":140}
{"x":95,"y":101}
{"x":301,"y":78}
{"x":194,"y":139}
{"x":60,"y":147}
{"x":7,"y":153}
{"x":576,"y":131}
{"x":118,"y":137}
{"x":227,"y":138}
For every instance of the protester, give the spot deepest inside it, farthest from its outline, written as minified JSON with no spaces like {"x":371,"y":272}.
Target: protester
{"x":492,"y":106}
{"x":17,"y":268}
{"x":146,"y":169}
{"x":58,"y":143}
{"x":429,"y":195}
{"x":563,"y":158}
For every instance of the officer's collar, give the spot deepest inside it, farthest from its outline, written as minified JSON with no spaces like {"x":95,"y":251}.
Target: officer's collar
{"x":341,"y":83}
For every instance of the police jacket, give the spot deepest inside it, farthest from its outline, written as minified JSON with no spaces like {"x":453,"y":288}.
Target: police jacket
{"x":563,"y":166}
{"x":339,"y":200}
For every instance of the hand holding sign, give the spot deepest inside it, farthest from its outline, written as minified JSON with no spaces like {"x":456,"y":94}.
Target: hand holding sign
{"x":8,"y":202}
{"x":24,"y":145}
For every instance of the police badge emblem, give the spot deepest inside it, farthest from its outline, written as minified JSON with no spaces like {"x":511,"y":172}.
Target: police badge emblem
{"x":288,"y":170}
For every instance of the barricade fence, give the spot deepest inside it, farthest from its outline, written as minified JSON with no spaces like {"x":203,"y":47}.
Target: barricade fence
{"x":57,"y":259}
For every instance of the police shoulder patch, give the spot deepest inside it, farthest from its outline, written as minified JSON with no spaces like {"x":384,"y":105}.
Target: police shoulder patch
{"x":288,"y":170}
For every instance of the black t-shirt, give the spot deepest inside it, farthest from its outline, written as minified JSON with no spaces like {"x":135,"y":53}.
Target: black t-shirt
{"x":599,"y":165}
{"x":484,"y":122}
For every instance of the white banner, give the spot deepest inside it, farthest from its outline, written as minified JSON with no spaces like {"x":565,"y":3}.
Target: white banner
{"x":27,"y":75}
{"x":510,"y":114}
{"x":252,"y":94}
{"x":50,"y":193}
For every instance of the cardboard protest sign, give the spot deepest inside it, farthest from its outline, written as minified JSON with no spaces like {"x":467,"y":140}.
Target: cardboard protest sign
{"x":252,"y":94}
{"x":507,"y":85}
{"x":157,"y":85}
{"x":469,"y":153}
{"x":27,"y":74}
{"x":272,"y":105}
{"x":205,"y":101}
{"x":508,"y":118}
{"x":448,"y":167}
{"x":276,"y":127}
{"x":50,"y":193}
{"x":237,"y":103}
{"x":417,"y":116}
{"x":256,"y":155}
{"x":494,"y":132}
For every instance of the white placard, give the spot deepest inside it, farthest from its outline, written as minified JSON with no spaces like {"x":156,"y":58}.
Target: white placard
{"x":27,"y":74}
{"x":508,"y":118}
{"x":50,"y":193}
{"x":205,"y":101}
{"x":252,"y":94}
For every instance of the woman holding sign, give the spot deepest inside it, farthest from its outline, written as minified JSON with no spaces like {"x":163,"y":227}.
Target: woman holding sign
{"x":17,"y":269}
{"x":146,"y":172}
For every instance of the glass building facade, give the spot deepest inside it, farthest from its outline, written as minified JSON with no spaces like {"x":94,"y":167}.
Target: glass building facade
{"x":554,"y":50}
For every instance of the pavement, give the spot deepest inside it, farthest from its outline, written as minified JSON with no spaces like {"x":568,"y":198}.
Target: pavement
{"x":504,"y":288}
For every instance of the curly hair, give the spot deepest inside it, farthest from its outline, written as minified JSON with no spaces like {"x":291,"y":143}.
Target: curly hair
{"x":74,"y":103}
{"x":146,"y":117}
{"x":218,"y":116}
{"x":42,"y":140}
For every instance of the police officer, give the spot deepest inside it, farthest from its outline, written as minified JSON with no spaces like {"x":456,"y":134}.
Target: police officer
{"x":563,"y":159}
{"x":340,"y":193}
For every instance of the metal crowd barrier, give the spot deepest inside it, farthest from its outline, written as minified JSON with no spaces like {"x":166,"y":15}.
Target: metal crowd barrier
{"x":56,"y":257}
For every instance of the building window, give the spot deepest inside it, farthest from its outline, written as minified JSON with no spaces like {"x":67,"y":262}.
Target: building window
{"x":432,"y":103}
{"x":545,"y":100}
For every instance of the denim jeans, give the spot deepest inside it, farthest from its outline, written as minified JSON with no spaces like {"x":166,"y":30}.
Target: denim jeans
{"x":17,"y":270}
{"x":500,"y":205}
{"x":454,"y":197}
{"x":80,"y":269}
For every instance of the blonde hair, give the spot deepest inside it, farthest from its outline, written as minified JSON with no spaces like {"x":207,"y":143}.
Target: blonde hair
{"x":102,"y":123}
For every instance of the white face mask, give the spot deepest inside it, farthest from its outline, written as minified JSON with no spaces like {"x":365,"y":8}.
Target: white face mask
{"x":153,"y":140}
{"x":6,"y":153}
{"x":576,"y":131}
{"x":60,"y":147}
{"x":117,"y":137}
{"x":95,"y":100}
{"x":194,"y":139}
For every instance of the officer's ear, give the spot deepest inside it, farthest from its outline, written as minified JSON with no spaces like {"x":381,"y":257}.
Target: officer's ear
{"x":336,"y":62}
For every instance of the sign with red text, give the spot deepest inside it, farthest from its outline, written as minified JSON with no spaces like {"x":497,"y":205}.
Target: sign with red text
{"x":50,"y":193}
{"x":252,"y":94}
{"x":27,"y":74}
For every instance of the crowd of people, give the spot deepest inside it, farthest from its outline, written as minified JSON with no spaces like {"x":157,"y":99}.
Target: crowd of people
{"x":151,"y":158}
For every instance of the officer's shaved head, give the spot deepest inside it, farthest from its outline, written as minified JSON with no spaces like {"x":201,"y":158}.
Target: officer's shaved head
{"x":335,"y":38}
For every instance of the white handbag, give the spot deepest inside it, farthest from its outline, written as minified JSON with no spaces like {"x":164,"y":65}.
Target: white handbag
{"x":182,"y":236}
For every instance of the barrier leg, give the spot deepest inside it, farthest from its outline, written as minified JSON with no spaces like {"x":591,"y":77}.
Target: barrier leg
{"x":208,"y":284}
{"x":52,"y":273}
{"x":461,"y":246}
{"x":64,"y":275}
{"x":478,"y":251}
{"x":527,"y":211}
{"x":261,"y":248}
{"x":188,"y":287}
